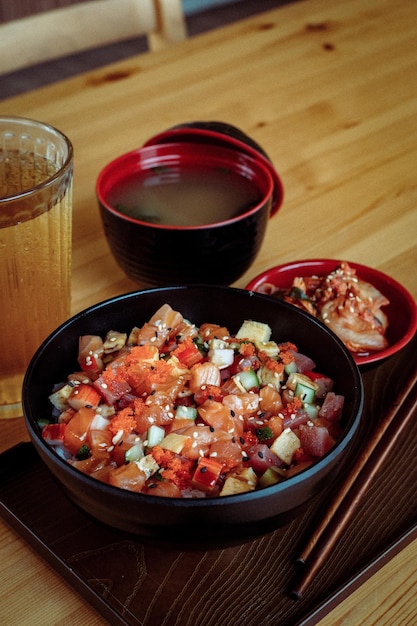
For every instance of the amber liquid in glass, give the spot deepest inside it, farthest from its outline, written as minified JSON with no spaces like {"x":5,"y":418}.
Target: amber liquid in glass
{"x":35,"y":249}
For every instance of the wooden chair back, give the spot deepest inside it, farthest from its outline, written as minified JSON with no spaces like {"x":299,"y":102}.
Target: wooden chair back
{"x":81,"y":25}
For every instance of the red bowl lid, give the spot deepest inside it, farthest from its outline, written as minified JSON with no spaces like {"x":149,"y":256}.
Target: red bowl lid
{"x":225,"y":135}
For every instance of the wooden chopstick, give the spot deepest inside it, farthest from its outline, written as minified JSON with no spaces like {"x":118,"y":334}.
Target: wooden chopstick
{"x":354,"y":487}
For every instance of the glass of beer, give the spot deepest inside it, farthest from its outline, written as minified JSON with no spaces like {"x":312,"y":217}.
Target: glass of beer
{"x":36,"y":166}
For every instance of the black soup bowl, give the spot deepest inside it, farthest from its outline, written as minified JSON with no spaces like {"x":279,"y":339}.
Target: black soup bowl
{"x":182,"y":213}
{"x":213,"y":521}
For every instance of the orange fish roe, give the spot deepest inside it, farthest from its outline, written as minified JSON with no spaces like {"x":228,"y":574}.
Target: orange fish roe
{"x":292,"y":407}
{"x":286,"y":346}
{"x":124,"y":420}
{"x":141,"y":353}
{"x":142,"y":377}
{"x":176,"y":469}
{"x":286,"y":352}
{"x":272,"y":364}
{"x":247,"y":349}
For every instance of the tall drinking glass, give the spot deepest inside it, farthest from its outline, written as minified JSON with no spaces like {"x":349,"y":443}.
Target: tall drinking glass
{"x":36,"y":165}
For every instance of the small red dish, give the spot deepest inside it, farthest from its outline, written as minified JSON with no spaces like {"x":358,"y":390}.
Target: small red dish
{"x":401,"y":312}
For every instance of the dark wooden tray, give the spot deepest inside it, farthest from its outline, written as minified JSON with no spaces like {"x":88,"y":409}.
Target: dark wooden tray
{"x":134,"y":583}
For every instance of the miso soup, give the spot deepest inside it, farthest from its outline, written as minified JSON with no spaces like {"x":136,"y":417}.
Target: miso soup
{"x":185,"y":197}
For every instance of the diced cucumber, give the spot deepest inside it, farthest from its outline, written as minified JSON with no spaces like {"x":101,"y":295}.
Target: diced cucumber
{"x":186,"y":412}
{"x":247,"y":378}
{"x":134,"y":453}
{"x":305,"y":393}
{"x":312,"y":410}
{"x":154,"y":435}
{"x":291,"y":368}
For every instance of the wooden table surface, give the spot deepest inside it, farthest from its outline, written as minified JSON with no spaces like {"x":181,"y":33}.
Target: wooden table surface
{"x":330,"y":91}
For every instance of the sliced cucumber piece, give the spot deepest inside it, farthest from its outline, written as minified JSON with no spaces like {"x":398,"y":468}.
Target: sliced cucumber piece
{"x":154,"y":435}
{"x":134,"y":453}
{"x":247,"y":378}
{"x":306,"y":393}
{"x":186,"y":412}
{"x":291,"y":368}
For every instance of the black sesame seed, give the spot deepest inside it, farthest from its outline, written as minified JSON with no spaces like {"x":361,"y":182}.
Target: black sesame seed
{"x":203,"y":469}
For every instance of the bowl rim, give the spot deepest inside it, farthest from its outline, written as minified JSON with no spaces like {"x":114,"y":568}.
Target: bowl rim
{"x":277,"y":490}
{"x":318,"y":263}
{"x":214,"y":153}
{"x":196,"y":130}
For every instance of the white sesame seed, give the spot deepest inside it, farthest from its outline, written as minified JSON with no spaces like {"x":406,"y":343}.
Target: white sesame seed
{"x":117,"y":437}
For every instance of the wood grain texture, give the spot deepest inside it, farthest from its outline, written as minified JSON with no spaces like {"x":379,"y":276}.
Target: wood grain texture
{"x":329,"y":90}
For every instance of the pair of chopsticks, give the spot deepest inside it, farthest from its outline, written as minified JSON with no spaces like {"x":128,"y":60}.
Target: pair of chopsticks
{"x":353,"y":488}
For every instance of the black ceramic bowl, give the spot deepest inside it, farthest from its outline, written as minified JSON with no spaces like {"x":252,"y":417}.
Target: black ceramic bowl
{"x":214,"y":247}
{"x":215,"y":521}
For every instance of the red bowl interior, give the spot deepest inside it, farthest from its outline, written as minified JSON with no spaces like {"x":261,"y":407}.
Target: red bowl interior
{"x":209,"y":136}
{"x":401,"y":312}
{"x":182,"y":156}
